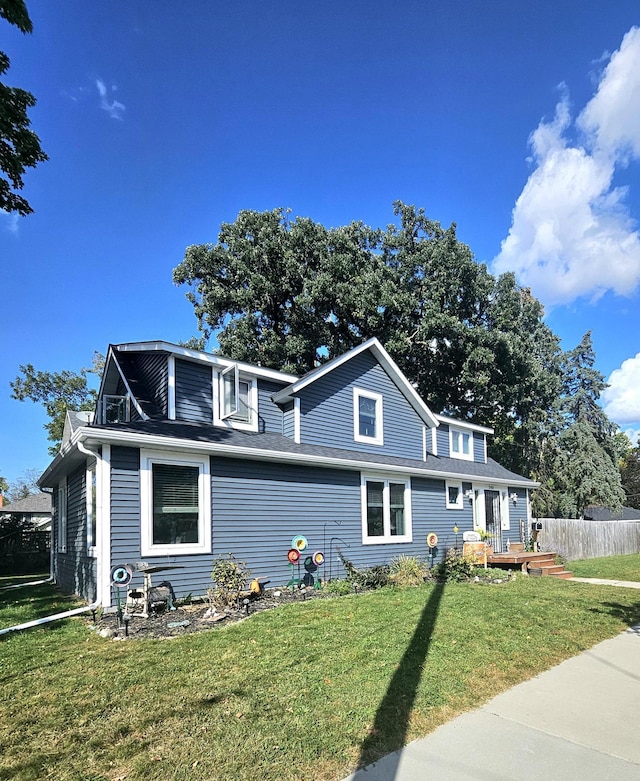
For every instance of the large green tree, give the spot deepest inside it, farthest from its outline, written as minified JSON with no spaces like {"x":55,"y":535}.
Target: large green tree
{"x":580,"y":455}
{"x":57,"y":392}
{"x":19,"y":145}
{"x":290,"y":293}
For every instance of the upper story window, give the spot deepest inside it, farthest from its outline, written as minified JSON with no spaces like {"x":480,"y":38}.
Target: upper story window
{"x":461,"y":444}
{"x":237,"y":400}
{"x":114,"y":409}
{"x":367,"y":417}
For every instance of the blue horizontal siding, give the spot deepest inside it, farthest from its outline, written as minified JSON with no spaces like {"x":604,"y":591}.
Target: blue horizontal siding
{"x":75,"y":571}
{"x":478,"y":447}
{"x":327,"y":410}
{"x":194,"y":392}
{"x":442,"y":440}
{"x":269,"y":414}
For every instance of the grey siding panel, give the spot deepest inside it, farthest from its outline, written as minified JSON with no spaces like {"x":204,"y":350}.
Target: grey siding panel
{"x":269,"y":414}
{"x":153,"y":371}
{"x":259,"y":508}
{"x":520,"y":530}
{"x":288,"y":421}
{"x":478,"y":447}
{"x":125,"y":506}
{"x":75,"y":571}
{"x":327,"y":410}
{"x":194,"y":392}
{"x":442,"y":440}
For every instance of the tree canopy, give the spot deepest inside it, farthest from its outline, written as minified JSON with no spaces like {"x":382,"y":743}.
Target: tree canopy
{"x":57,"y":392}
{"x":19,"y":145}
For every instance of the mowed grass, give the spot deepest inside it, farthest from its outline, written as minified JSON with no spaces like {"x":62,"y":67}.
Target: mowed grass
{"x":304,"y":691}
{"x":610,"y":568}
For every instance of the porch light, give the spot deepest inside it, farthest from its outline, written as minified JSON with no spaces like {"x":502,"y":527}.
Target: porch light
{"x":514,"y":498}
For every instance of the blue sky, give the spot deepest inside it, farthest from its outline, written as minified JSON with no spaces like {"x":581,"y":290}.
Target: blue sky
{"x":518,"y":121}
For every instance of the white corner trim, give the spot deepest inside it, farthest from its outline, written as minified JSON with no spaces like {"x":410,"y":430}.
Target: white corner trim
{"x":103,"y":528}
{"x":171,"y":387}
{"x":296,"y":420}
{"x":434,"y":441}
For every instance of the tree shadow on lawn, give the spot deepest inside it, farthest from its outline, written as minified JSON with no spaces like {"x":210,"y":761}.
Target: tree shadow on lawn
{"x":391,"y":722}
{"x":628,"y":614}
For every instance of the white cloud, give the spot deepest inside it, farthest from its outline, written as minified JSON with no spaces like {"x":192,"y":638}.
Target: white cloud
{"x":113,"y":107}
{"x":10,"y":220}
{"x":571,"y":233}
{"x":622,"y":398}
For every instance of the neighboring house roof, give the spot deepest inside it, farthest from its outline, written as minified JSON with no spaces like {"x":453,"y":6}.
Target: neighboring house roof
{"x":598,"y":513}
{"x":277,"y":447}
{"x":387,"y":363}
{"x":37,"y":504}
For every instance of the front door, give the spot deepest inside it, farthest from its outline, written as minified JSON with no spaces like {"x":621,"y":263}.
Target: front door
{"x":492,"y":518}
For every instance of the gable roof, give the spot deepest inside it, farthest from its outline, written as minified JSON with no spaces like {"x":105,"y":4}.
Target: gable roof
{"x":387,"y":363}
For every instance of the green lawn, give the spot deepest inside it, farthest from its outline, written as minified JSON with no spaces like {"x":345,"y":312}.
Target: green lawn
{"x":305,"y":691}
{"x":610,"y":568}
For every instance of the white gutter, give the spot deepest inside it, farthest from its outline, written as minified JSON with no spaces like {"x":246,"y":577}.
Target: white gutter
{"x":47,"y":619}
{"x":159,"y":442}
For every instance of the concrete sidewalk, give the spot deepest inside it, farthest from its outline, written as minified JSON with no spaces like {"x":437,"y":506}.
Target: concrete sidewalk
{"x":577,"y":721}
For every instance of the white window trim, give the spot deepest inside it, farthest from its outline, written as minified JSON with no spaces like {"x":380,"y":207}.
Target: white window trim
{"x":171,"y":387}
{"x":61,"y":513}
{"x":377,"y":397}
{"x":228,"y":422}
{"x":463,"y":456}
{"x":147,"y":459}
{"x":296,"y":420}
{"x":387,"y":537}
{"x":459,"y":504}
{"x":91,"y":543}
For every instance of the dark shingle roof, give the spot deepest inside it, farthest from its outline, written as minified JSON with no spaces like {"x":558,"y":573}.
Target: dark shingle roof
{"x":281,"y":445}
{"x":36,"y":503}
{"x":597,"y":513}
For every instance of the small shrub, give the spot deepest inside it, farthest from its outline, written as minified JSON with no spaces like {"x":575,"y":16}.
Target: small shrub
{"x":454,"y":567}
{"x":372,"y":577}
{"x":407,"y":571}
{"x":339,"y":587}
{"x":229,"y":577}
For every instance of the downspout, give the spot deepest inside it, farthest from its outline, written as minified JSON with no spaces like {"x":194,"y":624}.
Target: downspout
{"x":95,"y":454}
{"x":48,"y":619}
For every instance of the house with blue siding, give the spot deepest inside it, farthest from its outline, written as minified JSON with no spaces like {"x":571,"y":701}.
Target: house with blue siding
{"x":191,"y":455}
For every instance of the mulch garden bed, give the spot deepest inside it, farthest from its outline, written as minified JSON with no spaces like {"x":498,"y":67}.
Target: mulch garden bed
{"x":189,"y":618}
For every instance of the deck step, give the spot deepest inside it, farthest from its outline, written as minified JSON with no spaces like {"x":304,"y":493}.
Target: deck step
{"x":555,"y":571}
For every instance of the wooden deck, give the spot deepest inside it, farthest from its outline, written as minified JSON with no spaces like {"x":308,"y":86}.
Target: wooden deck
{"x":541,"y":563}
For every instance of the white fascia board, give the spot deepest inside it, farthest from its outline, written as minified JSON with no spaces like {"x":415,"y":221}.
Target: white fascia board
{"x":202,"y":357}
{"x":158,"y":442}
{"x":464,"y":424}
{"x":387,"y":363}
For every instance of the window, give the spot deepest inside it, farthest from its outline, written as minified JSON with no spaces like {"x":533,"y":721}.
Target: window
{"x":176,"y":505}
{"x":386,"y":510}
{"x":61,"y":511}
{"x":454,"y":496}
{"x":238,"y":400}
{"x":461,"y":444}
{"x":91,"y":509}
{"x":367,"y":417}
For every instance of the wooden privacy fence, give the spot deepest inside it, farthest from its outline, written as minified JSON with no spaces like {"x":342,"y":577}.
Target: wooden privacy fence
{"x":579,"y":539}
